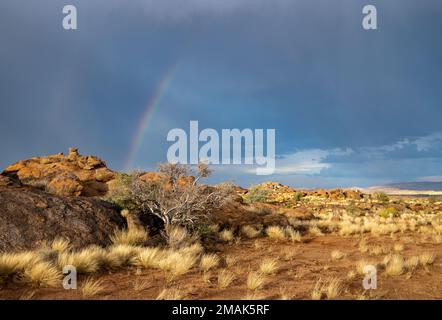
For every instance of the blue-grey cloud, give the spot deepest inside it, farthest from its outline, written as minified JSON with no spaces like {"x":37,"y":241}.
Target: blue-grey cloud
{"x":305,"y":68}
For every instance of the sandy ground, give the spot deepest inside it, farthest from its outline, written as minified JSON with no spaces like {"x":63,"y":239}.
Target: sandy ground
{"x":300,"y":265}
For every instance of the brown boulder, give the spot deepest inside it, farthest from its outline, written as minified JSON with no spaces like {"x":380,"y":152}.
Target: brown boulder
{"x":30,"y":217}
{"x":65,"y":184}
{"x":72,"y":175}
{"x":353,"y":194}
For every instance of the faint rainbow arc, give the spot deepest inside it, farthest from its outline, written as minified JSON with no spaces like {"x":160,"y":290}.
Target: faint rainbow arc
{"x":148,"y":113}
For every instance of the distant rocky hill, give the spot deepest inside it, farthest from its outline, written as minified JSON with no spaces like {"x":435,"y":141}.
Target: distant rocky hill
{"x":434,"y":186}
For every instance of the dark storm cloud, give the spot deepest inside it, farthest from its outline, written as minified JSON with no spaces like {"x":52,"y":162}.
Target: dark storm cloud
{"x":305,"y":68}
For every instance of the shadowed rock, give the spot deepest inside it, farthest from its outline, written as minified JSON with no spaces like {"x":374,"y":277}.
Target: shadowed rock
{"x":29,"y":217}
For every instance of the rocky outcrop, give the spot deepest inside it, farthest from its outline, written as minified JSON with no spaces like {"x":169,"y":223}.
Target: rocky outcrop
{"x":337,"y":194}
{"x":71,"y":175}
{"x":29,"y":217}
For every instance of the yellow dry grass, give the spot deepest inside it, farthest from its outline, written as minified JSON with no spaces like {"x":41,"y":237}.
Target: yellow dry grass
{"x":276,"y":233}
{"x":132,"y":237}
{"x":91,"y":287}
{"x":395,"y":265}
{"x":255,"y":280}
{"x":209,"y":261}
{"x":250,"y":232}
{"x":225,"y":278}
{"x":42,"y":274}
{"x":268,"y":266}
{"x":87,"y":260}
{"x":226,"y":235}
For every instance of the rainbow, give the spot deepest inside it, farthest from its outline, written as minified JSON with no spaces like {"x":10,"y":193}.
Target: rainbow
{"x":148,"y":114}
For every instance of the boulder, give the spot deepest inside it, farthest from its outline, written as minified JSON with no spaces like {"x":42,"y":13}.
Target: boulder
{"x":71,"y":175}
{"x":29,"y":217}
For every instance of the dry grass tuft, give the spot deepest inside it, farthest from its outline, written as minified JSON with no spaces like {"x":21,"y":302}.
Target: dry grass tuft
{"x":426,"y":258}
{"x":294,"y":236}
{"x":395,"y":266}
{"x":132,"y":237}
{"x":225,"y":278}
{"x":226,"y":235}
{"x":314,"y":230}
{"x":42,"y":274}
{"x":91,"y":287}
{"x":231,"y":260}
{"x":12,"y":263}
{"x":178,"y":237}
{"x":118,"y":256}
{"x":209,"y":261}
{"x":214,"y":228}
{"x":147,"y":258}
{"x":333,"y":288}
{"x":250,"y":232}
{"x":376,"y":250}
{"x":275,"y":232}
{"x":141,"y":285}
{"x":255,"y":280}
{"x":87,"y":260}
{"x":317,"y":290}
{"x":268,"y":266}
{"x":398,"y":247}
{"x":60,"y":245}
{"x":363,"y":247}
{"x":177,"y":262}
{"x":360,"y":265}
{"x":411,"y":263}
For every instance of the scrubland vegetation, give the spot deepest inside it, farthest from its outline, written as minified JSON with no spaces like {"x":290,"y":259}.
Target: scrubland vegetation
{"x":281,"y":254}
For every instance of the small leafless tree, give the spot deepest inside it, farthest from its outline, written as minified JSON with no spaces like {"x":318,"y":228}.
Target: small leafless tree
{"x":174,"y":195}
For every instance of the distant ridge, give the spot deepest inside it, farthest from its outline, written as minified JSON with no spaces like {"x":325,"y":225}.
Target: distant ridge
{"x":420,"y":186}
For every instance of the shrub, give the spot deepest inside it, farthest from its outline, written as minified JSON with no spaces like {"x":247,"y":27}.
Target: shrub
{"x":256,"y":194}
{"x":388,"y":212}
{"x":382,"y":197}
{"x":173,"y":197}
{"x":297,"y":196}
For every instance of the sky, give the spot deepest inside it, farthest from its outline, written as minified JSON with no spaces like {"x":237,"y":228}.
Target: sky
{"x":351,"y":107}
